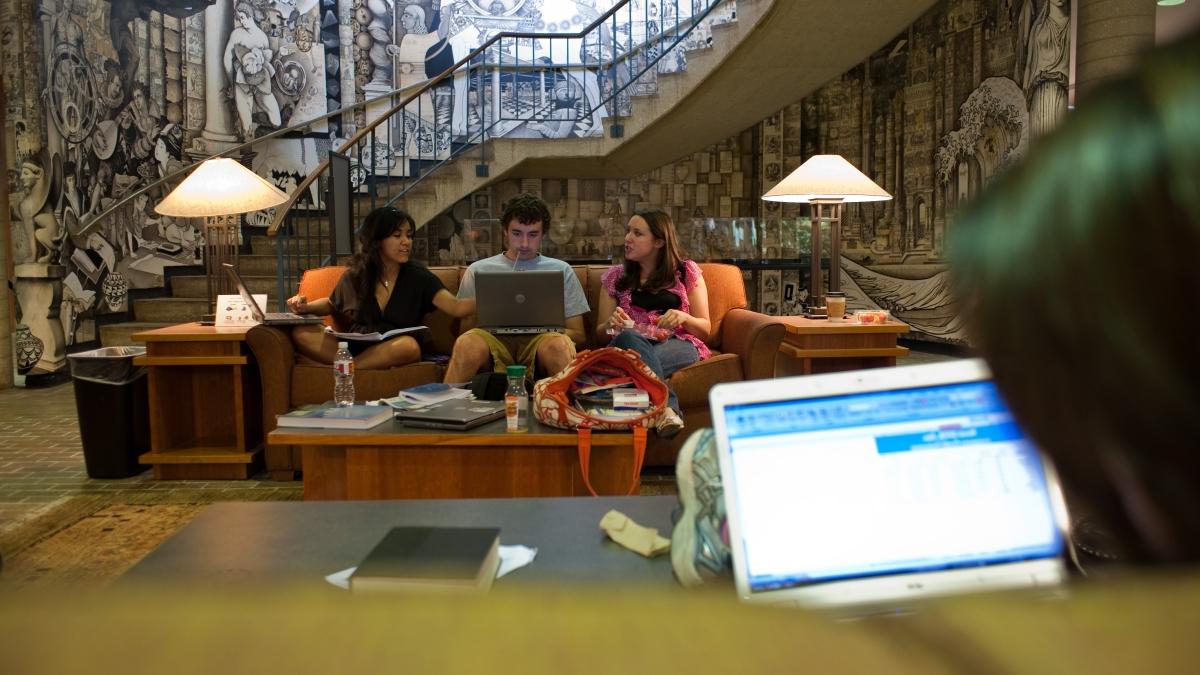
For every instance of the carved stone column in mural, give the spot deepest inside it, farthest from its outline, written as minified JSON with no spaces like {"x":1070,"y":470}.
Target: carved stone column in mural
{"x":1111,"y":34}
{"x":6,"y":364}
{"x":172,"y":40}
{"x":38,"y":288}
{"x":194,"y":75}
{"x":218,"y":131}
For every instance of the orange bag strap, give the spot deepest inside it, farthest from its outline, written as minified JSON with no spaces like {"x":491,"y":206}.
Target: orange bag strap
{"x":585,"y":458}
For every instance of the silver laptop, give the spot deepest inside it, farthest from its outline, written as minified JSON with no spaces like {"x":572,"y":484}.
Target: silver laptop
{"x":267,"y":318}
{"x":456,"y":414}
{"x":519,"y":303}
{"x":882,"y":487}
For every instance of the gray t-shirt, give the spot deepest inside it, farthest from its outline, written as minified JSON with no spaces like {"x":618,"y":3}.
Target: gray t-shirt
{"x":574,"y":301}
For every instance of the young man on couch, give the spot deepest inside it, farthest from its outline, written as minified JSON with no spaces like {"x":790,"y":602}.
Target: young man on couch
{"x":526,"y":219}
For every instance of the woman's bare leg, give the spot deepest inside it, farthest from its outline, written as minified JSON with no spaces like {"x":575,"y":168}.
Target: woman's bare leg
{"x":399,"y":351}
{"x":314,"y":342}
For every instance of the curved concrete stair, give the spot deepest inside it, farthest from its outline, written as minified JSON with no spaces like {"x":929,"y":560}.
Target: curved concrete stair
{"x":775,"y":53}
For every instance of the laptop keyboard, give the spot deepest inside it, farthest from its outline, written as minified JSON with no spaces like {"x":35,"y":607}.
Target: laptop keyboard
{"x":524,"y":330}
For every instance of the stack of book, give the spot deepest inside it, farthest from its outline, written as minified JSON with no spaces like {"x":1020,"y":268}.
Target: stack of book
{"x":612,"y":396}
{"x":425,"y":394}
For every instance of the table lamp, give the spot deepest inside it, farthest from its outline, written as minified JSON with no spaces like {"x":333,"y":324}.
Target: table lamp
{"x":220,"y":190}
{"x":826,"y":182}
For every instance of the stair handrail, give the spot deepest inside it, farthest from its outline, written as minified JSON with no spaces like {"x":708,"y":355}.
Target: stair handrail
{"x":282,"y":211}
{"x":91,"y":223}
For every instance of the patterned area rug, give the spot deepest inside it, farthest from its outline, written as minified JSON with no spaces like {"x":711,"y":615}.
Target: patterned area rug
{"x":92,"y":540}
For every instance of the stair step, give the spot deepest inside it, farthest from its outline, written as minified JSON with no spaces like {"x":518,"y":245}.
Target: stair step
{"x":262,"y":245}
{"x":255,"y":265}
{"x":170,"y":310}
{"x":121,"y":334}
{"x":197,"y":286}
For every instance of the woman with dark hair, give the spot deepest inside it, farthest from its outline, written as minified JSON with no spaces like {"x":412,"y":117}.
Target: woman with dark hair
{"x":656,"y":304}
{"x":382,"y":290}
{"x":1075,"y":271}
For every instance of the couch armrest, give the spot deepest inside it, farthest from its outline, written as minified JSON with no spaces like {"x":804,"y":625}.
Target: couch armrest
{"x":755,"y":338}
{"x":273,"y":350}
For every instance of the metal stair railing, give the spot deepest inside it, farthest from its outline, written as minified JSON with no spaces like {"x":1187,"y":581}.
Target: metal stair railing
{"x":545,"y":84}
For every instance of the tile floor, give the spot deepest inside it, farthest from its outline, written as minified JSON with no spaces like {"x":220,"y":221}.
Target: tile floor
{"x":41,"y":459}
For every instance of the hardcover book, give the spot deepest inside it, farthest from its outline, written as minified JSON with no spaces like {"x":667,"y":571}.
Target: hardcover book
{"x":415,"y":558}
{"x":330,"y":417}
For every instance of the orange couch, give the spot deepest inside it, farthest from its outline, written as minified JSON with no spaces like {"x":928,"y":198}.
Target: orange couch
{"x":744,"y":345}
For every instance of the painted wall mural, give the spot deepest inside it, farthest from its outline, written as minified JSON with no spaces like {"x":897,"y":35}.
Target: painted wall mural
{"x":123,"y":97}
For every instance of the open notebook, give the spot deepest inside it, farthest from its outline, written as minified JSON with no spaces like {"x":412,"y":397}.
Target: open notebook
{"x":880,"y":487}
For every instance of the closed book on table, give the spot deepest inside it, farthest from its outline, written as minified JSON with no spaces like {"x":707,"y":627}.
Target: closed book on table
{"x":416,"y":558}
{"x":333,"y":417}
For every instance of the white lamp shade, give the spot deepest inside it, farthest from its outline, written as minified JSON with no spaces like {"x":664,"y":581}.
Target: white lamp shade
{"x":826,"y":177}
{"x":220,"y":187}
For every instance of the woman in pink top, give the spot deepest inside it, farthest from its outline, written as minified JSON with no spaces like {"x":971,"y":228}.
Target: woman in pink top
{"x":656,"y":304}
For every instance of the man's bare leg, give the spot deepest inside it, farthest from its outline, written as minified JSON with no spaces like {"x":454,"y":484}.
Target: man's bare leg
{"x":470,"y":354}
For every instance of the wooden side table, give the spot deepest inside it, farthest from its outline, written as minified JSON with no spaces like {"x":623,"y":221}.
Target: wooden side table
{"x":205,"y":403}
{"x":813,"y":346}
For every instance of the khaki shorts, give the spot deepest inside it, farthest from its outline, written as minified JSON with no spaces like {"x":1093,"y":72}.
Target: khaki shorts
{"x":524,"y":346}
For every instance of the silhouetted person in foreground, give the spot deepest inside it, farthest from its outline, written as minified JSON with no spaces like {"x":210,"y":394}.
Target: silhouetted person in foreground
{"x":1077,"y":271}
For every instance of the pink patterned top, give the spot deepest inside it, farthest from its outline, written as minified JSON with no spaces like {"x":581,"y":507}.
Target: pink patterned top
{"x":640,"y":316}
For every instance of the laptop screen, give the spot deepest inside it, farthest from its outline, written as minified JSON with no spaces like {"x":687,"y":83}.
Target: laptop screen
{"x":880,"y":483}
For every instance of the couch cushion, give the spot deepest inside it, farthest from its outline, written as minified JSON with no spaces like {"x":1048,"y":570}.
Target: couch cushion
{"x":726,"y":291}
{"x":319,"y":282}
{"x":691,"y":384}
{"x":443,"y":326}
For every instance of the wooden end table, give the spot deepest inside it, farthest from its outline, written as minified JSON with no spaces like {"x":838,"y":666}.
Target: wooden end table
{"x":392,"y":461}
{"x":205,"y":403}
{"x":813,"y":346}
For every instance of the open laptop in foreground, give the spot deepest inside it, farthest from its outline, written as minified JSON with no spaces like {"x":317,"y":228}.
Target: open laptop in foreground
{"x":458,"y":414}
{"x":267,"y":318}
{"x":519,"y":303}
{"x":876,"y":488}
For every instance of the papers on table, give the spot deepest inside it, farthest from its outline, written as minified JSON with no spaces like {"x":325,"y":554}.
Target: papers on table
{"x":425,"y":394}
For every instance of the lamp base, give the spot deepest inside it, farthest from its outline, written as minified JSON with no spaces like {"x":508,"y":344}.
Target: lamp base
{"x":208,"y":319}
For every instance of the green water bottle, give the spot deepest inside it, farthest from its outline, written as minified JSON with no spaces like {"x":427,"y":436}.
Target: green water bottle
{"x":516,"y":400}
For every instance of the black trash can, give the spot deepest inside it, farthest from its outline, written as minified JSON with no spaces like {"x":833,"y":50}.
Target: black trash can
{"x":114,"y":417}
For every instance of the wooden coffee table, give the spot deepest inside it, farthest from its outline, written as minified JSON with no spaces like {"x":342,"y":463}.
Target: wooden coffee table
{"x":391,"y":461}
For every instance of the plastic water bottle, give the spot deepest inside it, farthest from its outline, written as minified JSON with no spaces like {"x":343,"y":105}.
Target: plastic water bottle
{"x":343,"y":376}
{"x":516,"y":400}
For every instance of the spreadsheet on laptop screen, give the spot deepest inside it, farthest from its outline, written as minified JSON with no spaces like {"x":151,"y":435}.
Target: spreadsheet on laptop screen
{"x":863,"y":485}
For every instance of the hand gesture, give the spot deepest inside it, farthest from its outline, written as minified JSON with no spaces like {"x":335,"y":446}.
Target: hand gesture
{"x":672,"y":319}
{"x":298,"y":304}
{"x":617,"y":320}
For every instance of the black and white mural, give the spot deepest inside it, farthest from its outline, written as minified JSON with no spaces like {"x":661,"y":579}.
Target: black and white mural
{"x":105,"y":99}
